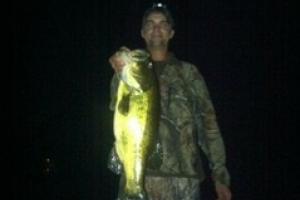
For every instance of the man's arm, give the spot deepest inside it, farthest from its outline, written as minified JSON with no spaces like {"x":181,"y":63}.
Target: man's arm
{"x":209,"y":134}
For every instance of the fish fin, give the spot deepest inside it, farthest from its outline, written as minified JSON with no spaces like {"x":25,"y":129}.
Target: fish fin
{"x":139,"y":196}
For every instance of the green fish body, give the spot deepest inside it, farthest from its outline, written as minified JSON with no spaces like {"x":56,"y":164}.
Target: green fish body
{"x":135,"y":119}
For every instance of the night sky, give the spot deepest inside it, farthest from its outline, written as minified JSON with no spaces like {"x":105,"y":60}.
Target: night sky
{"x":60,"y":91}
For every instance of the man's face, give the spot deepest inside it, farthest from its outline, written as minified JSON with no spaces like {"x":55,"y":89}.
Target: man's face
{"x":157,"y":31}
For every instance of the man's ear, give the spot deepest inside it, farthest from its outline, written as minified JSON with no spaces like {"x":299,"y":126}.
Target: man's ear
{"x":142,"y":34}
{"x":172,"y":34}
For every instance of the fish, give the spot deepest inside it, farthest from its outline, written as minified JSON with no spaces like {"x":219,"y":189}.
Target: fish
{"x":135,"y":119}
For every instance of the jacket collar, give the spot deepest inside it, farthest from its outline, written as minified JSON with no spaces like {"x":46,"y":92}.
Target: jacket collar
{"x":171,"y":60}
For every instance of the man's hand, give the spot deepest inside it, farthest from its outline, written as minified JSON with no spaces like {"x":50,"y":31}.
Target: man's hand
{"x":116,"y":61}
{"x":223,"y":192}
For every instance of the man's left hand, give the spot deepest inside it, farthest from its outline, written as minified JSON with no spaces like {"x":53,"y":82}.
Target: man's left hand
{"x":223,"y":192}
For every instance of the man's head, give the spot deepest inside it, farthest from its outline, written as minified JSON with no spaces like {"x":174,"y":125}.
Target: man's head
{"x":159,"y":8}
{"x":157,"y":26}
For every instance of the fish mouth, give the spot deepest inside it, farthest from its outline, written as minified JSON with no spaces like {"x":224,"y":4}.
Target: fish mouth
{"x":139,"y":55}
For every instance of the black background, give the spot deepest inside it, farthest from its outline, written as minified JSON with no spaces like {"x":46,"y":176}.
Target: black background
{"x":60,"y":91}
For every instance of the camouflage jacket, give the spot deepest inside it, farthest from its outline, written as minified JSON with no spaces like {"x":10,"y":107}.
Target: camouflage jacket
{"x":187,"y":119}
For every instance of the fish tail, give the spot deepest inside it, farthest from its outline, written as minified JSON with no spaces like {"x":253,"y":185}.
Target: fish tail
{"x":136,"y":196}
{"x":134,"y":189}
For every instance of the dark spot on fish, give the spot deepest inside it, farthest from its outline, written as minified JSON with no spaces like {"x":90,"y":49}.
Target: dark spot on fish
{"x":123,"y":106}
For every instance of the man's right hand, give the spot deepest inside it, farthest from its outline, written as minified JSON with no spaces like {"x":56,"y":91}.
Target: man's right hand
{"x":116,"y":61}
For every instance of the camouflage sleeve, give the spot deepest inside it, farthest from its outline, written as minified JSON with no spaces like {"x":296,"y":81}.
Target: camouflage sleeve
{"x":209,"y":135}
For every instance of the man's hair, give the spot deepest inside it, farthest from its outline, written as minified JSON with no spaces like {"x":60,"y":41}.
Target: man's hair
{"x":159,"y":8}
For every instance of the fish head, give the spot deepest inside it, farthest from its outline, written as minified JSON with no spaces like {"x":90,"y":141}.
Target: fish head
{"x":137,"y":72}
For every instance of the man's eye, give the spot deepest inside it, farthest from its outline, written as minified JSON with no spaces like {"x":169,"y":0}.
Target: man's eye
{"x":164,"y":24}
{"x":148,"y":25}
{"x":151,"y":25}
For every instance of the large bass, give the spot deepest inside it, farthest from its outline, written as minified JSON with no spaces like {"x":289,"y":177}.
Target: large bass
{"x":135,"y":119}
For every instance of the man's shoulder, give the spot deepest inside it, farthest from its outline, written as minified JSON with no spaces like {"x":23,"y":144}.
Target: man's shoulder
{"x":182,"y":68}
{"x":186,"y":65}
{"x":188,"y":69}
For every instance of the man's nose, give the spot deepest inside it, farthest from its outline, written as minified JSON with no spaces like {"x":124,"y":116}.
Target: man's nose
{"x":157,"y":27}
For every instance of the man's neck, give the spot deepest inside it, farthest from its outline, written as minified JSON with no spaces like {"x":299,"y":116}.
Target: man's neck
{"x":159,"y":54}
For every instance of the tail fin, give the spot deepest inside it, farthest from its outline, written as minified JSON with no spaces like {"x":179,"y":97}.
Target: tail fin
{"x":138,"y":196}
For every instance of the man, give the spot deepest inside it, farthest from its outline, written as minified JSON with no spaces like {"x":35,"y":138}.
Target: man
{"x":187,"y":119}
